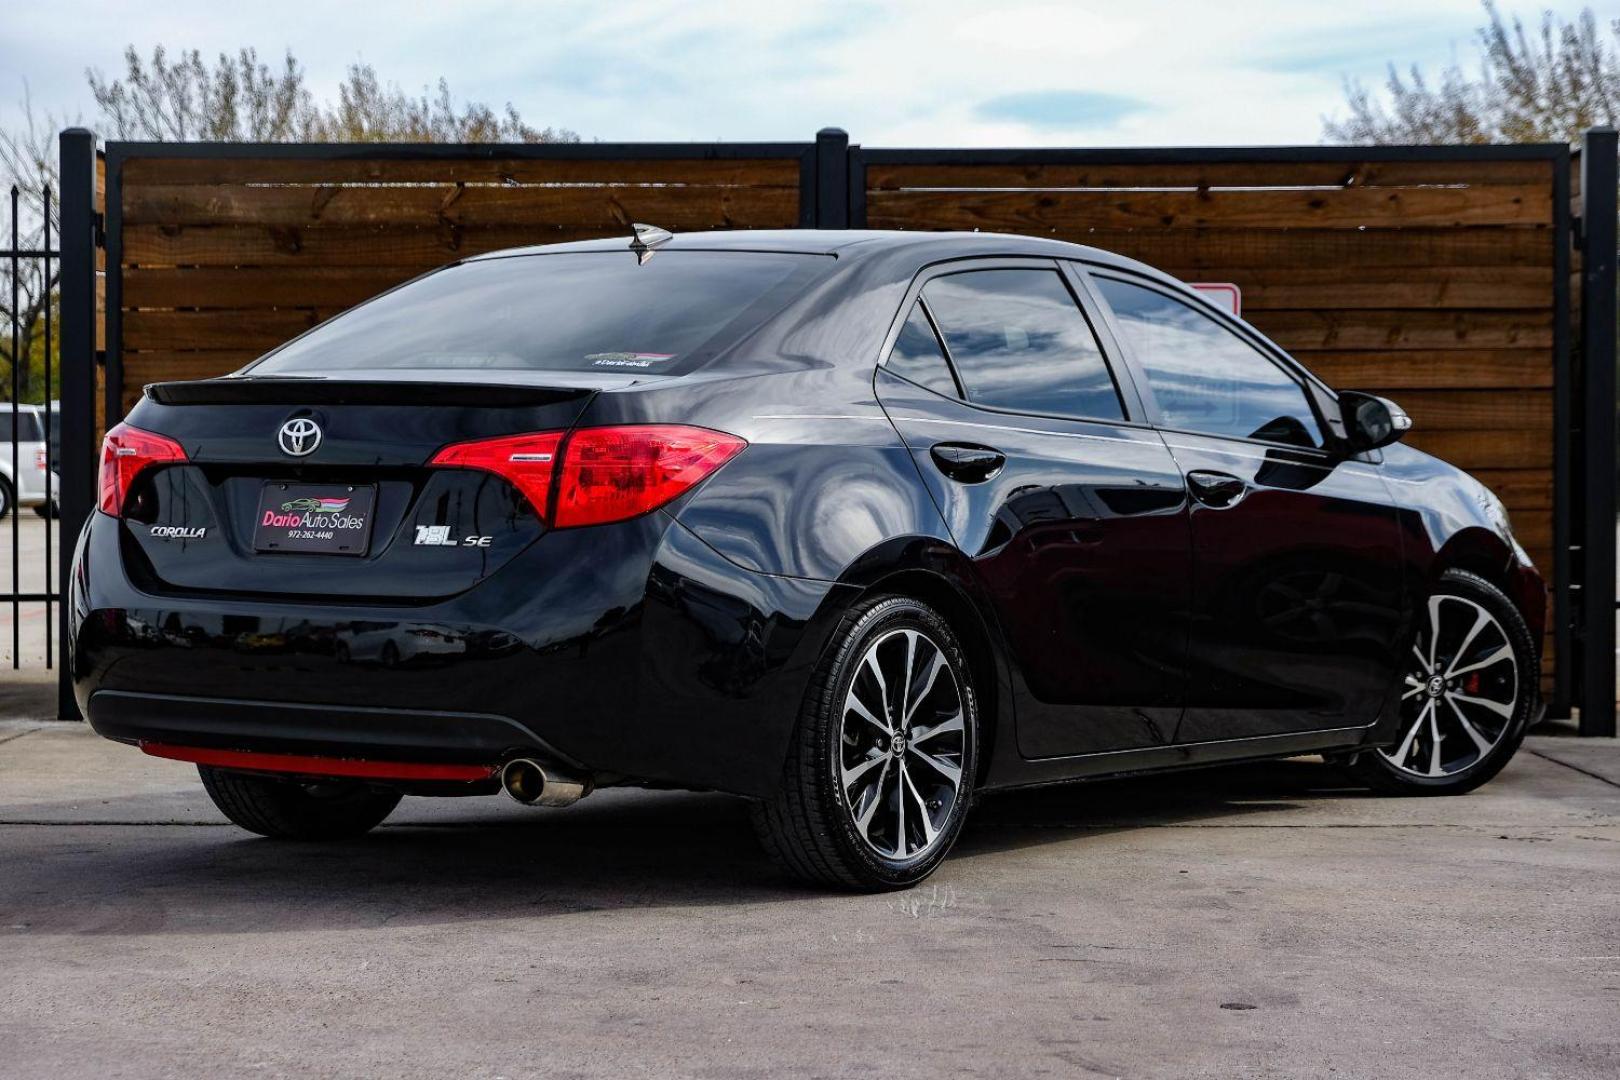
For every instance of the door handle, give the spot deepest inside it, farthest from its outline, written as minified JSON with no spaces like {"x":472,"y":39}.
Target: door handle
{"x":1217,"y":489}
{"x":967,"y":463}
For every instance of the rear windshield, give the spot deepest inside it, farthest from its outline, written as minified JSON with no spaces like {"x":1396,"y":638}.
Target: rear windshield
{"x":583,"y":311}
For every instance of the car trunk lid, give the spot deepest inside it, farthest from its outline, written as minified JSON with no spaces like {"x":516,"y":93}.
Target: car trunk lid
{"x":323,"y":488}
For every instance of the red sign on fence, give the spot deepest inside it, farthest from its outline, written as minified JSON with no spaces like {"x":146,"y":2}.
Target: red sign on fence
{"x":1223,"y":293}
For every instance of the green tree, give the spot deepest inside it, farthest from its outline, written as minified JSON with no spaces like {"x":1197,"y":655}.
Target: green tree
{"x":1545,"y":86}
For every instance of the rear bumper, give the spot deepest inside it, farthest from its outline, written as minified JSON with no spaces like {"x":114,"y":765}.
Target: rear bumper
{"x":310,"y":728}
{"x":665,"y":663}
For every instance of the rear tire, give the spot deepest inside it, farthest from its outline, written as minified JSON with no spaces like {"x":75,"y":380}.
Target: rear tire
{"x":294,"y":810}
{"x":7,"y":497}
{"x":1468,"y":699}
{"x":889,"y":728}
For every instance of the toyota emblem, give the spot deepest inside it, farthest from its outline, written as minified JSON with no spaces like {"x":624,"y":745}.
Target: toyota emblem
{"x":299,"y":436}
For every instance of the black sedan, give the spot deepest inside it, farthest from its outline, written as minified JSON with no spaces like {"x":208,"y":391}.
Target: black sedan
{"x":855,"y":525}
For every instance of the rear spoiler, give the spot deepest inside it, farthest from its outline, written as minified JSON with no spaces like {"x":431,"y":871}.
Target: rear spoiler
{"x":321,"y":391}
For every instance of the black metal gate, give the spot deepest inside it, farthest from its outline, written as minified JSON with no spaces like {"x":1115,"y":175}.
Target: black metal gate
{"x":28,"y":454}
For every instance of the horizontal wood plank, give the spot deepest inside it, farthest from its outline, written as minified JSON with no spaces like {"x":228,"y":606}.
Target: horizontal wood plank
{"x":738,"y":172}
{"x":1434,"y":368}
{"x":411,"y":248}
{"x":237,"y":330}
{"x":1513,"y":448}
{"x":256,"y":287}
{"x":1387,"y":331}
{"x":1421,"y":288}
{"x":141,"y":368}
{"x":604,"y":207}
{"x":1209,"y":174}
{"x":1195,"y":252}
{"x":1038,"y":213}
{"x":1469,"y":410}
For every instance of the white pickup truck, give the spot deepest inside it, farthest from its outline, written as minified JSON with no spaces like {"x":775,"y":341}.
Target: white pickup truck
{"x":31,"y":484}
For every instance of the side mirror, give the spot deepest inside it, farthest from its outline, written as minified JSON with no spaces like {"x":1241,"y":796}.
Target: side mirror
{"x":1371,"y":421}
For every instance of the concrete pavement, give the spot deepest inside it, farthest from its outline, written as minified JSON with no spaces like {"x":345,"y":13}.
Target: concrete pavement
{"x":1255,"y":921}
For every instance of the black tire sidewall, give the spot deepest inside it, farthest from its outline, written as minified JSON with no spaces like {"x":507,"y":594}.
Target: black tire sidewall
{"x":289,"y":810}
{"x":893,"y":613}
{"x":1372,"y":765}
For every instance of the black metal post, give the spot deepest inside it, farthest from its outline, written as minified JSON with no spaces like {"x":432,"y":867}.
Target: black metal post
{"x":832,"y":178}
{"x":1600,"y":176}
{"x":78,"y":333}
{"x":1565,"y":563}
{"x":50,"y":455}
{"x":17,"y":363}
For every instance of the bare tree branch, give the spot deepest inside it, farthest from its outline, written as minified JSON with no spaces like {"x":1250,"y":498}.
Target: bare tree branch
{"x":1545,"y":86}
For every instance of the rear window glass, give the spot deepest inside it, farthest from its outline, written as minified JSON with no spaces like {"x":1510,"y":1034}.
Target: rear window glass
{"x":584,"y":311}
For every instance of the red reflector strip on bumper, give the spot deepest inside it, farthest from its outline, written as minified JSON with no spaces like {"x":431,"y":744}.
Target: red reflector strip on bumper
{"x":309,"y":765}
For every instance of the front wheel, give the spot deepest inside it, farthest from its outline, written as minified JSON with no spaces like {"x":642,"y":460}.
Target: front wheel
{"x":880,"y":773}
{"x":1467,"y":697}
{"x":297,"y":810}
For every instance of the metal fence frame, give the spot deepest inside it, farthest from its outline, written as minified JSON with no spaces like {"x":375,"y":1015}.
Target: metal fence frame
{"x":833,"y":195}
{"x":15,"y":256}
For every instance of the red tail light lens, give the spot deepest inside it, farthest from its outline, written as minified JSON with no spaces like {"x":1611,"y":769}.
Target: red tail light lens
{"x":603,"y":474}
{"x":526,"y":460}
{"x":614,"y":473}
{"x":125,"y":452}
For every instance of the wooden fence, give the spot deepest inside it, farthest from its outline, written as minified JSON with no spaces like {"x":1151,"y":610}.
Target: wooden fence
{"x":223,"y":257}
{"x":1439,"y":281}
{"x":1438,"y":276}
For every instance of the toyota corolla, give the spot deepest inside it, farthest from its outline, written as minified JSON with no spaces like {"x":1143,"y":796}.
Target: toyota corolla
{"x":856,"y":526}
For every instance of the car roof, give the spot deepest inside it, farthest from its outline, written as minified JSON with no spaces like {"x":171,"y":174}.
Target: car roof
{"x":845,"y":244}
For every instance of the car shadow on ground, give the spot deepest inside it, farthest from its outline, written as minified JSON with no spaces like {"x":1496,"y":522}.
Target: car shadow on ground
{"x":615,"y":851}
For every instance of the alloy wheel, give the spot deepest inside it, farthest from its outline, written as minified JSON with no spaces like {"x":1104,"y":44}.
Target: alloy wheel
{"x":900,"y":754}
{"x":1461,"y":692}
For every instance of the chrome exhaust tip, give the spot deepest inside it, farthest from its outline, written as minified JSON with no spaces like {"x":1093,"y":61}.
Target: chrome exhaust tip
{"x":534,"y":783}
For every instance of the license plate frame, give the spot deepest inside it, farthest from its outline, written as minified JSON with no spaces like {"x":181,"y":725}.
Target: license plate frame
{"x":296,"y":518}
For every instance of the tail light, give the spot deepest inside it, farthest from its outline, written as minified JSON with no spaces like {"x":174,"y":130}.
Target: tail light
{"x":599,"y":475}
{"x":39,"y":459}
{"x":125,"y":452}
{"x":526,"y":460}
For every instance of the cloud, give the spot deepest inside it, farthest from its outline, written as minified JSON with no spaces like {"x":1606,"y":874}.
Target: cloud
{"x":895,"y":73}
{"x":1061,"y":109}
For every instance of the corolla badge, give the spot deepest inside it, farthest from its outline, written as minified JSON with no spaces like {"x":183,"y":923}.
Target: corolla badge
{"x":299,"y":436}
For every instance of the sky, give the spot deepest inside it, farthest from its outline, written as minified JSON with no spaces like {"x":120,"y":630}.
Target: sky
{"x":902,"y":73}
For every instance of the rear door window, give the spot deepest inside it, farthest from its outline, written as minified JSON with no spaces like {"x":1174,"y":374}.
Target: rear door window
{"x":1019,"y":341}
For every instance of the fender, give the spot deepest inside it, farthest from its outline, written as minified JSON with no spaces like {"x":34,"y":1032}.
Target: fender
{"x":938,"y":573}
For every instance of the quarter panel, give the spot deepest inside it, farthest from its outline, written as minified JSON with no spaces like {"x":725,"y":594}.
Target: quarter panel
{"x":824,"y":479}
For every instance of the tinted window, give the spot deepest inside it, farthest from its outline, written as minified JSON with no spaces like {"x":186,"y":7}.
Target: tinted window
{"x":917,"y":355}
{"x":573,"y":312}
{"x":26,"y":423}
{"x":1205,"y":377}
{"x":1019,"y":342}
